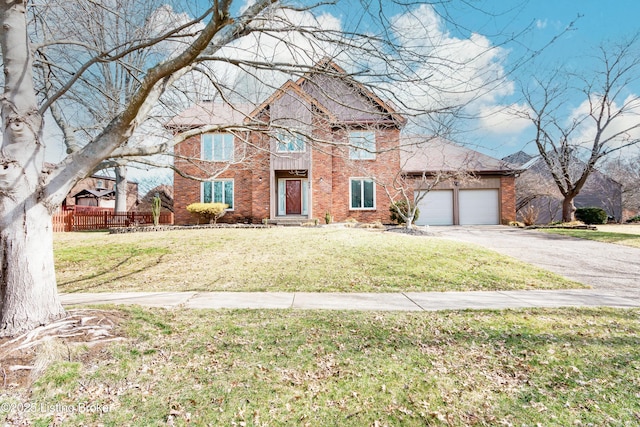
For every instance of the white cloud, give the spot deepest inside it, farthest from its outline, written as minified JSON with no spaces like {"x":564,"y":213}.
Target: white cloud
{"x":428,"y":68}
{"x":504,"y":120}
{"x":541,"y":24}
{"x":455,"y":70}
{"x":622,"y":128}
{"x":276,"y":42}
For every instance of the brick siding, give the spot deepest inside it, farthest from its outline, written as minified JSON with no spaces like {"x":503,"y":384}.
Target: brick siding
{"x":507,"y":199}
{"x":330,"y":176}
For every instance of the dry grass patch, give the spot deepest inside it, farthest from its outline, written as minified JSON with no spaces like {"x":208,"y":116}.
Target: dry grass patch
{"x":620,"y":228}
{"x":286,"y":259}
{"x":285,"y":367}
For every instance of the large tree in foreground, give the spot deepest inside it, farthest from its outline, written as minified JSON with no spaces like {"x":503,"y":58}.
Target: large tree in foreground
{"x":573,"y":142}
{"x":30,"y":191}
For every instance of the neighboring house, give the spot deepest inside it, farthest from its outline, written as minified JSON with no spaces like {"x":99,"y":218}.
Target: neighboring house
{"x":539,"y":200}
{"x":99,"y":191}
{"x":324,"y":144}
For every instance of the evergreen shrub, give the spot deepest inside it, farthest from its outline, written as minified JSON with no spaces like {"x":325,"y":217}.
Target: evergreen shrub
{"x":592,"y":215}
{"x":401,"y":206}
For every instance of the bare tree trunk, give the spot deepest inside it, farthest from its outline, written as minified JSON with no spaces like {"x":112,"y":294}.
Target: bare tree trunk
{"x":121,"y":189}
{"x":568,"y":209}
{"x":27,"y":277}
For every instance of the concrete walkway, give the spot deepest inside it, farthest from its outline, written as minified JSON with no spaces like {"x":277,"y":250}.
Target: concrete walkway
{"x":405,"y":301}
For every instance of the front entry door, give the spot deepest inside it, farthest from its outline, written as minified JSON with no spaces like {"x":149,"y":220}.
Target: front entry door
{"x":293,"y":196}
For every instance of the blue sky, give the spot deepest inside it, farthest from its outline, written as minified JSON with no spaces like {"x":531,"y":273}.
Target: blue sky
{"x":535,"y":23}
{"x":594,"y":22}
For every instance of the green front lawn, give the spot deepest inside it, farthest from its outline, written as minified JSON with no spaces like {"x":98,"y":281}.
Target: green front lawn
{"x":560,"y":367}
{"x":625,"y":239}
{"x":286,"y":259}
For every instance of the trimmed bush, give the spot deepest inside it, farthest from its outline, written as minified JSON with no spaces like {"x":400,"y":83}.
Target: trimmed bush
{"x":211,"y":211}
{"x":634,"y":219}
{"x":592,"y":215}
{"x":401,"y":206}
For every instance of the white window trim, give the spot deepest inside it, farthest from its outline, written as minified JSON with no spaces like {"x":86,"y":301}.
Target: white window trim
{"x":284,"y":136}
{"x":351,"y":208}
{"x":219,"y":180}
{"x":356,"y":153}
{"x":213,"y":159}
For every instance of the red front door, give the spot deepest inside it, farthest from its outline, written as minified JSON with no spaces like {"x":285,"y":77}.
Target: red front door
{"x":293,"y":198}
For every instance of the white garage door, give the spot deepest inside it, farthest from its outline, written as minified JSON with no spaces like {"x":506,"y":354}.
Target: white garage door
{"x":436,"y":208}
{"x":479,"y":207}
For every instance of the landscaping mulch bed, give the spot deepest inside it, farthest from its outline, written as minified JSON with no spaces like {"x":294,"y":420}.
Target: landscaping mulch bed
{"x":563,"y":227}
{"x":141,"y":229}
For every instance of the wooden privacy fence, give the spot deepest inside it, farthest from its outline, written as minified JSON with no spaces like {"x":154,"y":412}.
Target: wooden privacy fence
{"x":85,"y":219}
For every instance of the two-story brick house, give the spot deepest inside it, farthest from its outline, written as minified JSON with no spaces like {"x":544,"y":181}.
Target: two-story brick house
{"x":324,"y":144}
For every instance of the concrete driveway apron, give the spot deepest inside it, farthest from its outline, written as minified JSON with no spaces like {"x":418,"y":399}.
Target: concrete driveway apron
{"x":603,"y":266}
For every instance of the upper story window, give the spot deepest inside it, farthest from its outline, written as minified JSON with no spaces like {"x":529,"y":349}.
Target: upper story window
{"x":362,"y":145}
{"x":287,"y":142}
{"x":217,"y":147}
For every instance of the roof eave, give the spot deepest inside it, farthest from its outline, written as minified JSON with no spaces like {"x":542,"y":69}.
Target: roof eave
{"x":501,"y":172}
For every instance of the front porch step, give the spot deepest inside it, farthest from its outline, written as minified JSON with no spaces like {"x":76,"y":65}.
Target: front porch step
{"x":290,"y":221}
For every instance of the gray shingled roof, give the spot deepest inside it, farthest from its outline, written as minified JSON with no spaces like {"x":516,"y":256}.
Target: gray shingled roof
{"x":96,"y":193}
{"x":519,"y":158}
{"x":211,"y":113}
{"x":421,"y":153}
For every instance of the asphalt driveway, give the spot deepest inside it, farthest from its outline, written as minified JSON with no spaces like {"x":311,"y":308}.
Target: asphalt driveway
{"x":604,"y":266}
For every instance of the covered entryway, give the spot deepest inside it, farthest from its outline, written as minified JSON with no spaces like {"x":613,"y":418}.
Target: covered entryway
{"x":479,"y":207}
{"x":292,"y":196}
{"x":436,"y":208}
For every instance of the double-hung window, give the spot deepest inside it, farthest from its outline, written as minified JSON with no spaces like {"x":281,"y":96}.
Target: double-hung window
{"x":362,"y":193}
{"x":287,"y":142}
{"x":217,"y":147}
{"x":218,"y":191}
{"x":362,"y":145}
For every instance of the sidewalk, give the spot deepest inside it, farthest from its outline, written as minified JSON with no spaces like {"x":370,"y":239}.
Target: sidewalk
{"x":405,"y":301}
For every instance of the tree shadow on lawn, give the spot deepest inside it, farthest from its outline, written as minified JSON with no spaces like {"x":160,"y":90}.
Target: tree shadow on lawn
{"x":151,"y":264}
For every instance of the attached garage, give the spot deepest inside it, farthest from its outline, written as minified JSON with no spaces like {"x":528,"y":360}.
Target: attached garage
{"x":479,"y":207}
{"x":436,"y":208}
{"x":467,"y":187}
{"x":463,"y":207}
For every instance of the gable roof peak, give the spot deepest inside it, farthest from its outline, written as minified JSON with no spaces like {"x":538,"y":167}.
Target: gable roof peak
{"x":288,"y":86}
{"x":339,"y":99}
{"x":328,"y":62}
